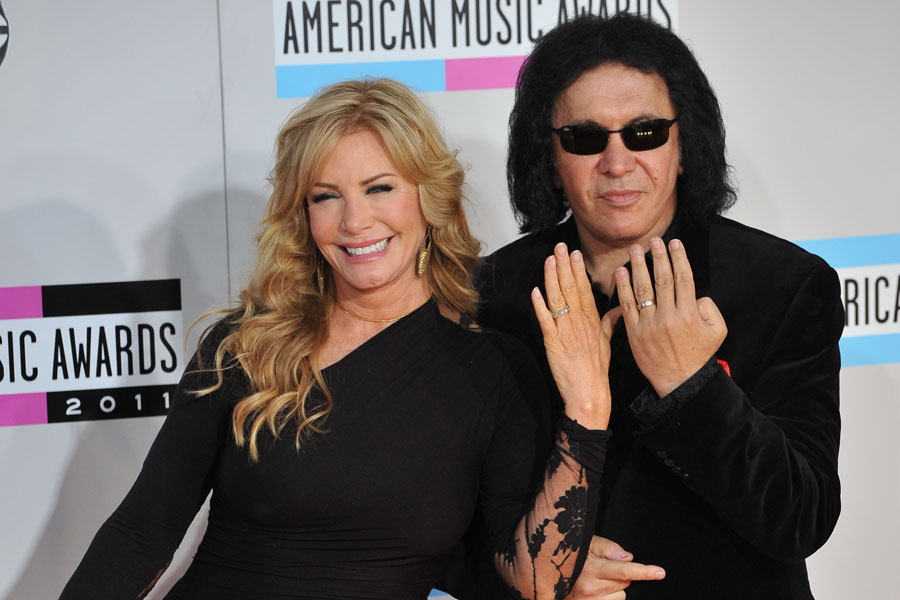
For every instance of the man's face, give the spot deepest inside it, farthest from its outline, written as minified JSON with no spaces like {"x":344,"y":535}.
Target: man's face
{"x":619,"y":196}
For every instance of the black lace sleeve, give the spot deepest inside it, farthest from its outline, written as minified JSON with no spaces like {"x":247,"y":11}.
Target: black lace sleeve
{"x":539,"y":496}
{"x":550,"y":543}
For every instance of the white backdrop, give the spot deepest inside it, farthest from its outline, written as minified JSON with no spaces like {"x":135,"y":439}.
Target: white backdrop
{"x":135,"y":138}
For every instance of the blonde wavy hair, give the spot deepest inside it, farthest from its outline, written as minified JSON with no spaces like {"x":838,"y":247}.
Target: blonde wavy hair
{"x":282,"y":319}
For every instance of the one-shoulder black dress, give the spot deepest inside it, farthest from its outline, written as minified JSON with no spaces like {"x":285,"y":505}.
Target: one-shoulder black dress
{"x":430,"y":426}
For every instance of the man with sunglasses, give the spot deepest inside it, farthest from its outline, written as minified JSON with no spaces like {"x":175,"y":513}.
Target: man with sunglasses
{"x":724,"y":371}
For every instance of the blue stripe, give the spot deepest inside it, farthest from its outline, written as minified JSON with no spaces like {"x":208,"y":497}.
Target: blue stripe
{"x":870,"y":350}
{"x":437,"y":593}
{"x":301,"y":81}
{"x":856,"y":251}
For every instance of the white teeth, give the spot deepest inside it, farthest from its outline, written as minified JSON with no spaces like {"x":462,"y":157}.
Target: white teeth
{"x":378,"y":247}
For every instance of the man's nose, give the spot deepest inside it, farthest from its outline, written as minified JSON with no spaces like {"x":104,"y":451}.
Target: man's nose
{"x":616,"y":160}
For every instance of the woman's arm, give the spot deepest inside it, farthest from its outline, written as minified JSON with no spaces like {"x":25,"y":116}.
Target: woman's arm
{"x":545,"y":553}
{"x":135,"y":544}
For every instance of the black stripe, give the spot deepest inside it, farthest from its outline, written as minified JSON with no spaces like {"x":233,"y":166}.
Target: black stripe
{"x":116,"y":403}
{"x":106,"y":298}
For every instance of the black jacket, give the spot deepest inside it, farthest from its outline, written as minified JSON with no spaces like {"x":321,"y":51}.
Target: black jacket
{"x":734,"y":489}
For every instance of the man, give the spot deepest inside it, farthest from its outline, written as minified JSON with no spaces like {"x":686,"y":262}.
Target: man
{"x":723,"y":462}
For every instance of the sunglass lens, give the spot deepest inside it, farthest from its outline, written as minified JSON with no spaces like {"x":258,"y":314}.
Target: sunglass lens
{"x":647,"y":135}
{"x":584,"y":139}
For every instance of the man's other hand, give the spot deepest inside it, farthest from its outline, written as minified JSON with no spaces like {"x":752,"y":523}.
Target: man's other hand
{"x":608,"y":570}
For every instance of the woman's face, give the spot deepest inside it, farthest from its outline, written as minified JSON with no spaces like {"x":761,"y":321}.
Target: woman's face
{"x":366,"y":219}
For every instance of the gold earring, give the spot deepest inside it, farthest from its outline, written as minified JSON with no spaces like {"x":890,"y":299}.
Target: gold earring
{"x":320,"y":274}
{"x":424,"y":255}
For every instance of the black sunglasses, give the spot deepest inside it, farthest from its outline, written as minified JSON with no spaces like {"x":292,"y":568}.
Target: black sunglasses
{"x":590,"y":138}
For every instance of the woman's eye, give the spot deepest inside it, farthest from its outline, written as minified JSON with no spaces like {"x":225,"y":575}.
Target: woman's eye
{"x":316,"y":198}
{"x":379,"y":188}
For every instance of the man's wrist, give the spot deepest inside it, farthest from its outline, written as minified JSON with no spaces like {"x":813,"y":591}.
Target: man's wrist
{"x":650,"y":409}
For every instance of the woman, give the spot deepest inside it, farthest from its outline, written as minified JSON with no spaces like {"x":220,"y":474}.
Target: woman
{"x":350,"y":418}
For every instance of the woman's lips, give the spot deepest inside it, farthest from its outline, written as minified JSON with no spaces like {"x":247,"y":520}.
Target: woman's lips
{"x":365,"y":251}
{"x":359,"y":250}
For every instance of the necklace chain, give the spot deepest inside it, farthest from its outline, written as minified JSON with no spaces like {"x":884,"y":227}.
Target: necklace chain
{"x":391,"y":320}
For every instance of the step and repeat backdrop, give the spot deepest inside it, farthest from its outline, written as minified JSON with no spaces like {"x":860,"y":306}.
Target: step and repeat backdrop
{"x":135,"y":140}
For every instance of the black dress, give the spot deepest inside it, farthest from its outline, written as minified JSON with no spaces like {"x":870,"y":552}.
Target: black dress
{"x":430,"y":426}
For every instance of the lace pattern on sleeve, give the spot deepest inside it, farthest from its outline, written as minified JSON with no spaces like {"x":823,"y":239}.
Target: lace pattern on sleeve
{"x":551,"y":540}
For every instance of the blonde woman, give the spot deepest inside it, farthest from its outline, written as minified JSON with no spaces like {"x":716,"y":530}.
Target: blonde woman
{"x":349,"y":417}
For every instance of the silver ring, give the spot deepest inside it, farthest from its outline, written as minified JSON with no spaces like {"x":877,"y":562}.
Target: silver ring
{"x":560,"y":312}
{"x":646,"y":303}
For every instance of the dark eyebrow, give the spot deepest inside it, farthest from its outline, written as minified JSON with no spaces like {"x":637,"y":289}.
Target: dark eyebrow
{"x":366,"y":181}
{"x":374,"y":177}
{"x":638,"y":119}
{"x":644,"y":117}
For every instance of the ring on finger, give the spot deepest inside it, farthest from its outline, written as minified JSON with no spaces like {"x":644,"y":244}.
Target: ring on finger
{"x":557,"y":314}
{"x":646,"y":303}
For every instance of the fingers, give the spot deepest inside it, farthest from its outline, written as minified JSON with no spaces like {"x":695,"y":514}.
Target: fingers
{"x":634,"y":288}
{"x":605,"y":548}
{"x":709,"y":312}
{"x":684,"y":277}
{"x":608,"y":322}
{"x":558,"y":276}
{"x":609,"y":570}
{"x":663,"y":279}
{"x":711,"y":316}
{"x":545,"y":319}
{"x":632,"y":571}
{"x":568,"y":286}
{"x":585,"y":292}
{"x":672,"y":280}
{"x":643,"y":286}
{"x":626,"y":297}
{"x":586,"y":593}
{"x":555,"y":298}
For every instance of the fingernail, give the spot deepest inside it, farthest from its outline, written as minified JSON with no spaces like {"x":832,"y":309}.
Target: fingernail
{"x":659,"y":573}
{"x":624,"y":555}
{"x":656,"y":243}
{"x":536,"y":293}
{"x":561,"y":249}
{"x":675,"y":244}
{"x":576,"y":257}
{"x":551,"y":262}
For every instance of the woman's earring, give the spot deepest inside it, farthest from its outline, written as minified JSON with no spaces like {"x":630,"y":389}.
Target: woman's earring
{"x":424,"y":255}
{"x":320,"y":274}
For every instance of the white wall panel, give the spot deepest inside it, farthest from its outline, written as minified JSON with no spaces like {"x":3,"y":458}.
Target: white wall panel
{"x":125,"y":126}
{"x":111,"y":169}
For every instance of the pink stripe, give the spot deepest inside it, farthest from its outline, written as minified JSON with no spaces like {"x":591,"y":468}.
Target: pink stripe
{"x":23,"y":409}
{"x":21,"y":303}
{"x":482,"y":73}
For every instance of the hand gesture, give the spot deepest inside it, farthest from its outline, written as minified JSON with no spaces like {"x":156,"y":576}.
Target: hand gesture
{"x":608,"y":570}
{"x":575,"y":338}
{"x":672,"y":333}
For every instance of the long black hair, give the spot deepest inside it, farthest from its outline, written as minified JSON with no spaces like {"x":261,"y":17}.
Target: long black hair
{"x":558,"y":60}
